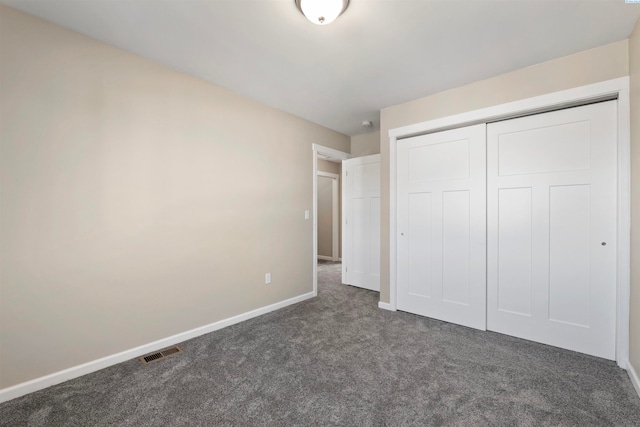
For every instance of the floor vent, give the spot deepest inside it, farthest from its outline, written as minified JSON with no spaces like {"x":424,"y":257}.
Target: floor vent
{"x":159,"y":355}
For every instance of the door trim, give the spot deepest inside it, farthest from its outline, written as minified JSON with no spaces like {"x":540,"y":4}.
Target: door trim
{"x":610,"y":89}
{"x":318,"y":152}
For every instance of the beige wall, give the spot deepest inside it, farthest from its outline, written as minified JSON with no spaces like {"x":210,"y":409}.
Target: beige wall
{"x":365,"y":144}
{"x":634,"y":71}
{"x":327,"y":166}
{"x":137,"y":202}
{"x":595,"y":65}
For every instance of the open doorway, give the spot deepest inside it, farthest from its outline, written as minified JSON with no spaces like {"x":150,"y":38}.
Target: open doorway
{"x":327,"y":212}
{"x":328,"y":228}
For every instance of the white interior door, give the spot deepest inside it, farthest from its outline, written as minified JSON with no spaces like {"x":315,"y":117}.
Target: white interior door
{"x":361,"y":222}
{"x":441,"y":211}
{"x":552,"y":228}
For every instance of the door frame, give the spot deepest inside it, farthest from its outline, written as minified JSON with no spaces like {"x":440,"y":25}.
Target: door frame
{"x":617,"y":89}
{"x":319,"y":152}
{"x":335,"y":215}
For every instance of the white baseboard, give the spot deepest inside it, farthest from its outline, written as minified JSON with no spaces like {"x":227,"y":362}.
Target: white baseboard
{"x":385,"y":306}
{"x":86,"y":368}
{"x":635,"y":380}
{"x":328,"y":258}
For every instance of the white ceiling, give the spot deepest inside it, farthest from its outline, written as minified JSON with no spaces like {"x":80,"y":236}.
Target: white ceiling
{"x":377,"y":54}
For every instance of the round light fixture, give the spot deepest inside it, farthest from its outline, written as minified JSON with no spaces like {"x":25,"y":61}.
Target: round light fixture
{"x":322,"y":12}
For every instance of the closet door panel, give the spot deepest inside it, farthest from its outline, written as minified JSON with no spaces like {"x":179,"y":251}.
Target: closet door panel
{"x":442,"y":226}
{"x":551,"y":194}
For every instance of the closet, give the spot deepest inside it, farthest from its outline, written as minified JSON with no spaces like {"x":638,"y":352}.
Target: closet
{"x":511,"y":227}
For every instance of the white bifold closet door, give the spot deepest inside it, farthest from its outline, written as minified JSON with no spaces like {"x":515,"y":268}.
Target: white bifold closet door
{"x":551,"y":200}
{"x":441,"y":208}
{"x":361,"y":222}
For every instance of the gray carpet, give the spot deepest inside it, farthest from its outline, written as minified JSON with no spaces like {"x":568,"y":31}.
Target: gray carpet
{"x":339,"y":360}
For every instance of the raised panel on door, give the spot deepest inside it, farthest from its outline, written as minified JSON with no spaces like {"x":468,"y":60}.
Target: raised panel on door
{"x":361,"y":222}
{"x":418,"y":246}
{"x":551,"y":195}
{"x":456,"y":246}
{"x":359,"y":260}
{"x":515,"y":240}
{"x":441,"y":226}
{"x":569,"y":254}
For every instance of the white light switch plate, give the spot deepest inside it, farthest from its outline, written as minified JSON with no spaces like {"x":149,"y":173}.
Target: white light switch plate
{"x":306,"y":214}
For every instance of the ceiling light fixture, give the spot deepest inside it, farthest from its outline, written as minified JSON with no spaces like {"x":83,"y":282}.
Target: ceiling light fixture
{"x":322,"y":12}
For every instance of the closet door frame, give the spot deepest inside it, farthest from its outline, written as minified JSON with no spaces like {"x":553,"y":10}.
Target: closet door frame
{"x":617,"y":89}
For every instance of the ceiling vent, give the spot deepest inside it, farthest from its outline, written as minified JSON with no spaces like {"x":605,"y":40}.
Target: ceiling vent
{"x":159,"y":355}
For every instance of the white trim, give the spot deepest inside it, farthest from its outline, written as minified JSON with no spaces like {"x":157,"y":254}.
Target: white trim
{"x":393,"y":241}
{"x":624,"y":228}
{"x":615,"y":88}
{"x":334,"y":154}
{"x":331,"y":152}
{"x":385,"y":306}
{"x":343,"y":205}
{"x":633,"y":375}
{"x":328,"y":174}
{"x":314,"y":221}
{"x":335,"y":219}
{"x":95,"y":365}
{"x":325,"y":258}
{"x":335,"y":215}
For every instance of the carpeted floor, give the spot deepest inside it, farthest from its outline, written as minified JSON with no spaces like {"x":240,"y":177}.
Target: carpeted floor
{"x":339,"y":360}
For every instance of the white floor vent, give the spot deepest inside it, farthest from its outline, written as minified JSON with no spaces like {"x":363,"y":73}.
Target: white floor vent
{"x":159,"y":355}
